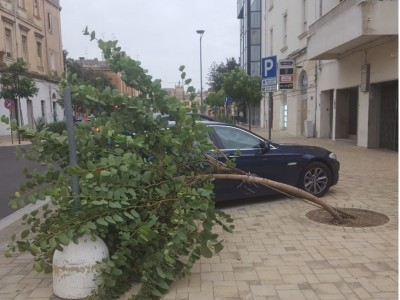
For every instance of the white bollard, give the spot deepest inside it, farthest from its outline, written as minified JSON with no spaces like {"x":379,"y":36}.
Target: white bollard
{"x":74,"y":271}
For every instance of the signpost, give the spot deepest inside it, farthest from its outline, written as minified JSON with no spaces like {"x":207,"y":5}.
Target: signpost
{"x":9,"y":103}
{"x":268,"y":74}
{"x":286,"y":74}
{"x":268,"y":84}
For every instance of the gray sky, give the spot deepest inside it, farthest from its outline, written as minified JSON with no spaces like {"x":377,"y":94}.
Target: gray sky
{"x":160,"y":34}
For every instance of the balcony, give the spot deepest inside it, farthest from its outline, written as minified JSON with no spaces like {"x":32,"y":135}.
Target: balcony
{"x":350,"y":25}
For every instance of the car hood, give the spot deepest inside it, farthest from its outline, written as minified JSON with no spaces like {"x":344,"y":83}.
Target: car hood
{"x":304,"y":149}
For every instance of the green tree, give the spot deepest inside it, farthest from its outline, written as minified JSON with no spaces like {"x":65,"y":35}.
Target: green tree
{"x":138,"y":189}
{"x":17,"y":83}
{"x":243,"y":89}
{"x":217,"y":72}
{"x":78,"y":74}
{"x":215,"y":99}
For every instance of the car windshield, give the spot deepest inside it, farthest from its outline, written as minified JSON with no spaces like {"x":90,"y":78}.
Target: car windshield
{"x":236,"y":138}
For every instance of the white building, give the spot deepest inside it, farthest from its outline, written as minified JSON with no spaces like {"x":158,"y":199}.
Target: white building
{"x":346,"y":69}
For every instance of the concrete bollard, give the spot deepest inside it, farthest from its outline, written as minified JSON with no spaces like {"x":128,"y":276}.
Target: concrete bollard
{"x":74,"y":271}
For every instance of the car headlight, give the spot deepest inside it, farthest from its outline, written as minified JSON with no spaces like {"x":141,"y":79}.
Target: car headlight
{"x":333,"y":156}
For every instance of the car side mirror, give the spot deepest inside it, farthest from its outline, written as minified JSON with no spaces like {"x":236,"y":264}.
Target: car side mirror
{"x":264,"y":146}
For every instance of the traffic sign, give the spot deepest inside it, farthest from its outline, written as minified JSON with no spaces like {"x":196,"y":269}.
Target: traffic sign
{"x":8,"y":103}
{"x":268,"y":74}
{"x":268,"y":67}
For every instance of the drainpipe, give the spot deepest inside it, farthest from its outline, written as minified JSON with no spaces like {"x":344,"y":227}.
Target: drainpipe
{"x":316,"y":99}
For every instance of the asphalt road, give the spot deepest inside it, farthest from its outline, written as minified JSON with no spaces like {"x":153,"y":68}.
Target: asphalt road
{"x":11,"y":176}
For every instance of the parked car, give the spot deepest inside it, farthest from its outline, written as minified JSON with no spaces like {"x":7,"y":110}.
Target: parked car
{"x":312,"y":169}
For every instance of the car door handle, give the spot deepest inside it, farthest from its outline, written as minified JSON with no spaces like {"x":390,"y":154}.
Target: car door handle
{"x":233,"y":156}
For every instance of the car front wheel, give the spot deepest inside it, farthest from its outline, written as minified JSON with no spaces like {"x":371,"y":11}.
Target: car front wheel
{"x":316,"y":179}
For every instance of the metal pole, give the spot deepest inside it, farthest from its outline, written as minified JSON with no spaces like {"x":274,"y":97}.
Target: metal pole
{"x":201,"y":75}
{"x":71,"y":139}
{"x":269,"y":114}
{"x":201,"y":32}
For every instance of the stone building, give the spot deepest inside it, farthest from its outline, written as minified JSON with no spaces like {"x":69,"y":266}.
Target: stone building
{"x":31,"y":30}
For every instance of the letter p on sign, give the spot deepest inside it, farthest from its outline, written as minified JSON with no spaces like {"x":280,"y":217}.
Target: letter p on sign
{"x":268,"y":67}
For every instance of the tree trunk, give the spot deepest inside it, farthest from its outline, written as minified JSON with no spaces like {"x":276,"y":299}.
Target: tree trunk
{"x":249,"y":112}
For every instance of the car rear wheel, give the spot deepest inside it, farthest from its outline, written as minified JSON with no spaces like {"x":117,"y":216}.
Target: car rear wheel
{"x":316,"y":179}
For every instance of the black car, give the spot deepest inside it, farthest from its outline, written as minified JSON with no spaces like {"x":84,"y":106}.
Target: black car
{"x":312,"y":169}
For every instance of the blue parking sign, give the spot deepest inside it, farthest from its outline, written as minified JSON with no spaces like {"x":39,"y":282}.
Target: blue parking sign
{"x":268,"y":67}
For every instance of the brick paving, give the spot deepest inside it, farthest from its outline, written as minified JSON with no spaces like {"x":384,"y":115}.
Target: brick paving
{"x":275,"y":252}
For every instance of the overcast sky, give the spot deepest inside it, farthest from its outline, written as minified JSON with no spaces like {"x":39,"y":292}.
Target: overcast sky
{"x":160,"y":34}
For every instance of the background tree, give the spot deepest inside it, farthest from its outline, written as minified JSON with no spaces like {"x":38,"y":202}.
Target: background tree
{"x":217,"y":72}
{"x":78,"y":74}
{"x":215,"y":100}
{"x":17,"y":83}
{"x":243,"y":89}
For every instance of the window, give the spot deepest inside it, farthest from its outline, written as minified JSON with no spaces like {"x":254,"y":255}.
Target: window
{"x":24,"y":45}
{"x":49,"y":22}
{"x":39,"y":54}
{"x":235,"y":138}
{"x":271,"y":4}
{"x":284,"y":29}
{"x":36,"y":8}
{"x":255,"y":5}
{"x":55,"y":111}
{"x":43,"y":107}
{"x":255,"y":20}
{"x":271,"y":41}
{"x":21,"y":4}
{"x":255,"y":38}
{"x":304,"y":15}
{"x":255,"y":53}
{"x":255,"y":68}
{"x":320,"y":8}
{"x":52,"y":61}
{"x":8,"y":43}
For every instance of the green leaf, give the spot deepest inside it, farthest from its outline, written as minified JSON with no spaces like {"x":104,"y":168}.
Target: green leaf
{"x":160,"y":272}
{"x":92,"y":36}
{"x":105,"y":173}
{"x":89,"y":176}
{"x":162,"y":284}
{"x":117,"y":218}
{"x":146,"y":176}
{"x":37,"y":266}
{"x":109,"y":219}
{"x":115,"y":205}
{"x":116,"y":272}
{"x":102,"y":221}
{"x":205,"y":251}
{"x":25,"y":233}
{"x":53,"y":243}
{"x":63,"y":239}
{"x":156,"y":293}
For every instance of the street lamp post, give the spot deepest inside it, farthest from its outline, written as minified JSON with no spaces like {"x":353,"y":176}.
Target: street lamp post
{"x":201,"y":32}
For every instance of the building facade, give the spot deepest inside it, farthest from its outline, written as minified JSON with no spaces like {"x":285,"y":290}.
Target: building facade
{"x":31,"y":30}
{"x":346,"y":69}
{"x":249,"y":14}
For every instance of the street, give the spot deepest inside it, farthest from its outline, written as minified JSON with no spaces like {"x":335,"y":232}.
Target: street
{"x":11,"y":176}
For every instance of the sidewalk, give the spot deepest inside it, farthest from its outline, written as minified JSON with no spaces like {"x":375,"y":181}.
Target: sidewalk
{"x":276,"y":252}
{"x":7,"y":140}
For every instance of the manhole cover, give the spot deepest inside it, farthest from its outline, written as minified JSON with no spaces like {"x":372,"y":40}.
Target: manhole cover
{"x":362,"y":217}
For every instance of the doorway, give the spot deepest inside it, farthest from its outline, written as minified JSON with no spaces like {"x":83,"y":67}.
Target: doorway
{"x":347,"y":114}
